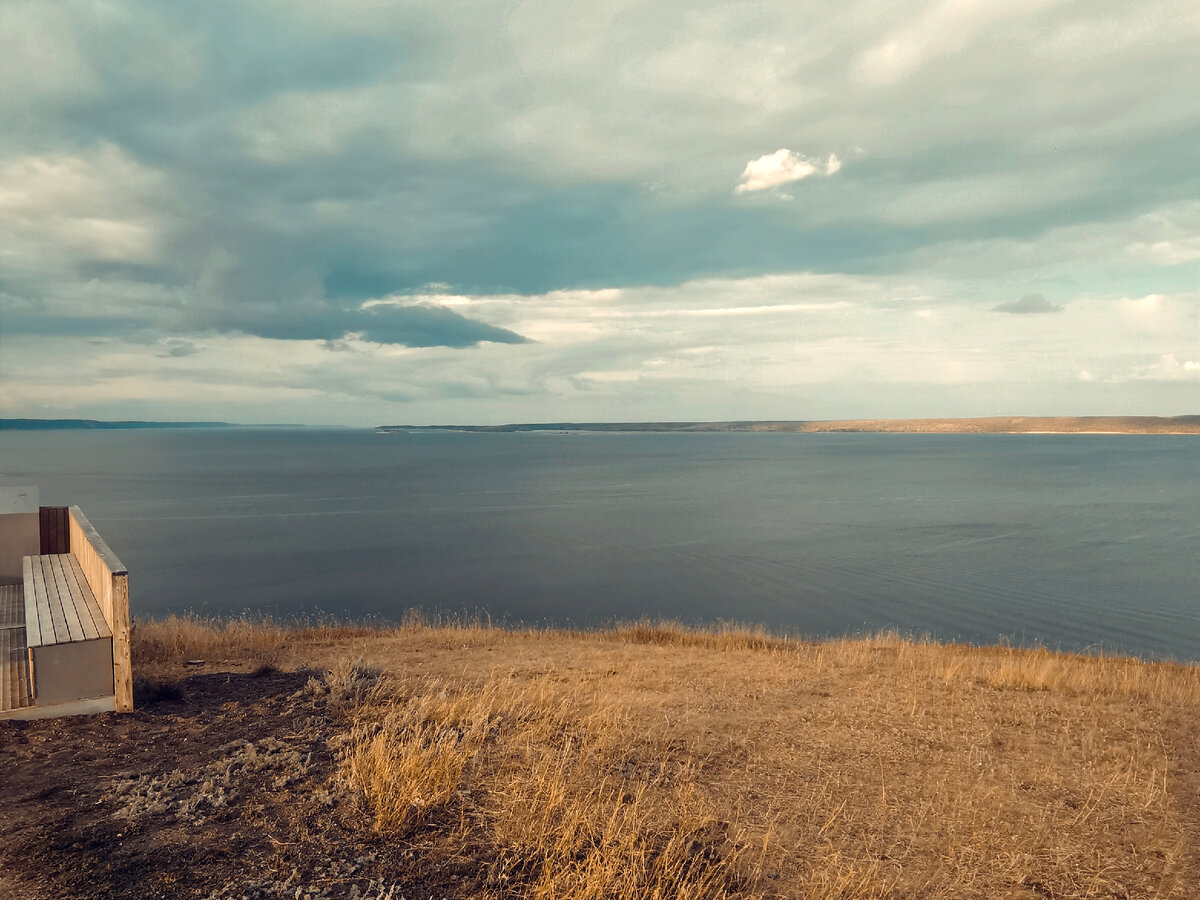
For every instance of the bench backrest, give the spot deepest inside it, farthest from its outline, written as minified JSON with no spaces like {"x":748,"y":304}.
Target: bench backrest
{"x":109,"y":581}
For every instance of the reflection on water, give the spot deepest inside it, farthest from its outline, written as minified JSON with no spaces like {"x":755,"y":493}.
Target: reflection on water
{"x":1075,"y":541}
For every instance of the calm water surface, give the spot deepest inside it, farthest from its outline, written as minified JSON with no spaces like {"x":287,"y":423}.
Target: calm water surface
{"x":1074,"y":541}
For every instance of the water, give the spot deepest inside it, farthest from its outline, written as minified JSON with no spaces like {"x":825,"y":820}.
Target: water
{"x":1074,"y":541}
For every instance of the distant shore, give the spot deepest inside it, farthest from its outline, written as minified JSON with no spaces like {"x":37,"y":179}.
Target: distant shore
{"x":105,"y":425}
{"x":986,"y":425}
{"x":97,"y":425}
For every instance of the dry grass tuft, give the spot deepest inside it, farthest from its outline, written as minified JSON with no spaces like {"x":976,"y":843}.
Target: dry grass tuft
{"x":1042,"y":670}
{"x":350,"y":683}
{"x":404,"y":769}
{"x":544,"y":782}
{"x":179,"y":638}
{"x":725,"y":636}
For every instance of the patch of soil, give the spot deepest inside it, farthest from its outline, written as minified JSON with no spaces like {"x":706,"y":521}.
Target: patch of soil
{"x":218,"y":786}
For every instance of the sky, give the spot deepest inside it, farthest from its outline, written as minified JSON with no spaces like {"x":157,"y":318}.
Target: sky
{"x":362,"y":213}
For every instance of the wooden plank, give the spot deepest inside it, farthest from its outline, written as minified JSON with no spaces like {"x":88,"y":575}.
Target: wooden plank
{"x":55,"y":535}
{"x":90,"y":617}
{"x":8,"y":675}
{"x":26,"y":681}
{"x":73,"y":603}
{"x":14,"y":661}
{"x":45,"y":523}
{"x":31,"y":610}
{"x":62,"y":531}
{"x":13,"y":675}
{"x":54,"y":601}
{"x":12,"y":606}
{"x":84,"y":529}
{"x":89,"y":599}
{"x":14,"y":670}
{"x":43,"y":623}
{"x":96,"y":568}
{"x":67,"y":595}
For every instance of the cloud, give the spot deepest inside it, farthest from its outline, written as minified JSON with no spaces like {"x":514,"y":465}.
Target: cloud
{"x":177,"y":348}
{"x":245,"y":176}
{"x":79,"y":206}
{"x":423,"y":325}
{"x":1170,"y":253}
{"x":1169,"y":236}
{"x":1030,"y":304}
{"x":783,"y":167}
{"x":944,"y":29}
{"x":1168,"y":367}
{"x":795,"y":345}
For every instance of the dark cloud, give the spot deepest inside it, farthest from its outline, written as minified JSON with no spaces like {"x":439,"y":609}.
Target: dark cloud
{"x":410,"y":326}
{"x":177,"y":347}
{"x":1030,"y":304}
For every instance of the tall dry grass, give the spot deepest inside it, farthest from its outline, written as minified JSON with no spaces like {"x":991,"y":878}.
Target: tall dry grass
{"x":179,"y":638}
{"x":1012,"y":668}
{"x":257,"y":640}
{"x":543,"y":783}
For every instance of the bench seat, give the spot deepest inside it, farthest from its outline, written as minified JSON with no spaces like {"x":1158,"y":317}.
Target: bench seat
{"x":70,"y":642}
{"x":60,"y":607}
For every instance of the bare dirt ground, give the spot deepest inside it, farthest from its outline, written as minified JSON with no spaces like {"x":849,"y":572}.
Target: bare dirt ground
{"x":857,"y":769}
{"x":212,"y":791}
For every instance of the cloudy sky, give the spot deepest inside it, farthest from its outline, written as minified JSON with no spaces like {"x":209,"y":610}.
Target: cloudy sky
{"x":421,"y":212}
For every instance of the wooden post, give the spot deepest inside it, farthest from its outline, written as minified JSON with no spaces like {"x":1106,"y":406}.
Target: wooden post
{"x":122,"y":651}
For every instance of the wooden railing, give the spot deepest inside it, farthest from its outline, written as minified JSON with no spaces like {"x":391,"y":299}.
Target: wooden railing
{"x":109,"y":581}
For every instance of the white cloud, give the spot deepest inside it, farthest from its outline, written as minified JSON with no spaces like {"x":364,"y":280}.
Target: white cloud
{"x":1168,"y":236}
{"x":946,"y":28}
{"x":1168,"y":367}
{"x":783,"y":167}
{"x":95,"y":205}
{"x":1169,"y":253}
{"x":1145,"y":309}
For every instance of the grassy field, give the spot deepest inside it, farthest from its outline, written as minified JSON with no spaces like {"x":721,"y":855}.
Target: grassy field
{"x":658,"y":761}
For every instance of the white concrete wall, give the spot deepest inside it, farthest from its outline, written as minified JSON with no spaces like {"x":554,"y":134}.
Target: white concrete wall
{"x":19,"y":536}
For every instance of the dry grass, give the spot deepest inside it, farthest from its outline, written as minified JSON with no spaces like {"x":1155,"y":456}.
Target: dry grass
{"x":404,"y":769}
{"x":543,"y":786}
{"x":180,"y":638}
{"x":726,"y":636}
{"x":261,"y":641}
{"x":656,"y":760}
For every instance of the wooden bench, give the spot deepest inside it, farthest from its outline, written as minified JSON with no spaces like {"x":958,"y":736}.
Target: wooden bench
{"x":69,"y":641}
{"x":77,"y":626}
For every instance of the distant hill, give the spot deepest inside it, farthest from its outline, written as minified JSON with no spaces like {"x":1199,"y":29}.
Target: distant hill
{"x":95,"y":424}
{"x":988,"y":425}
